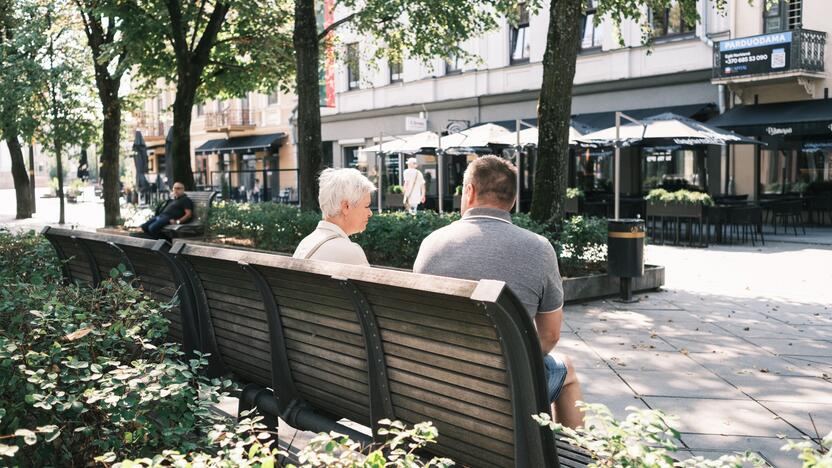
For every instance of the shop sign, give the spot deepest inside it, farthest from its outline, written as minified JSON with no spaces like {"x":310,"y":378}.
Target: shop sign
{"x":779,"y":130}
{"x":755,"y":55}
{"x":415,"y":124}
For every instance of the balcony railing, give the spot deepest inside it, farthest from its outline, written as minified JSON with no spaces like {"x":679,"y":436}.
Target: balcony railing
{"x":236,"y":119}
{"x":150,"y":125}
{"x":800,"y":52}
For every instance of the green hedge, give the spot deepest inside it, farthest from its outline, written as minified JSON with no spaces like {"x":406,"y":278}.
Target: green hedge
{"x":393,"y":238}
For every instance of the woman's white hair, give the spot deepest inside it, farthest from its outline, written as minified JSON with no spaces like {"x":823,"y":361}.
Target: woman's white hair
{"x":335,"y":185}
{"x":412,"y":161}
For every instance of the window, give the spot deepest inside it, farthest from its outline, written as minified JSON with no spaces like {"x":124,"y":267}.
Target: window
{"x":353,"y":69}
{"x":274,"y":97}
{"x":669,"y":22}
{"x":453,"y":64}
{"x":519,"y":37}
{"x":782,"y":15}
{"x":200,"y":109}
{"x":673,"y":168}
{"x":395,"y":70}
{"x":590,"y":34}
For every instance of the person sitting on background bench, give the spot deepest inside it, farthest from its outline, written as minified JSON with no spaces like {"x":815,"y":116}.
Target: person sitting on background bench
{"x":176,"y":210}
{"x":484,"y":244}
{"x":344,"y":196}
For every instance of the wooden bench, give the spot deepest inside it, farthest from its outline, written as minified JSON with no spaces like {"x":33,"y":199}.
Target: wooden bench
{"x":196,"y":226}
{"x":337,"y":341}
{"x":88,"y":257}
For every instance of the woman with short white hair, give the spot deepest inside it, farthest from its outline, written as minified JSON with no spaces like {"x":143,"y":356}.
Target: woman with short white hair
{"x":344,"y":196}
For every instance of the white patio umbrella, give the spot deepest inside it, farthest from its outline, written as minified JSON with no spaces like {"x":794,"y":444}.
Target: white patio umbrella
{"x":664,"y":130}
{"x":529,"y":136}
{"x":405,"y":143}
{"x":481,"y":135}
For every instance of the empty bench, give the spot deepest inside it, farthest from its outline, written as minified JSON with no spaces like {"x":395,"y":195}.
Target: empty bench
{"x":196,"y":226}
{"x":318,"y":342}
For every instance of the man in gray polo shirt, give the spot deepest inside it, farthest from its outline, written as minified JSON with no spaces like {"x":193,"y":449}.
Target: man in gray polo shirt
{"x":485,"y":244}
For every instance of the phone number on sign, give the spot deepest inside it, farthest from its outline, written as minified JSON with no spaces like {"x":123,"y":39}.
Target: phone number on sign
{"x":745,"y":59}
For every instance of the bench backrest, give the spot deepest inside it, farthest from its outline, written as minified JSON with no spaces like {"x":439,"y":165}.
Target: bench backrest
{"x":202,"y":204}
{"x":366,"y":344}
{"x":89,"y":257}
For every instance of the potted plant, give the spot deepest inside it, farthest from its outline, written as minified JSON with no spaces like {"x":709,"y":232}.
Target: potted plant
{"x":395,"y":197}
{"x":680,"y":204}
{"x":574,"y":200}
{"x":74,"y":191}
{"x":458,"y":197}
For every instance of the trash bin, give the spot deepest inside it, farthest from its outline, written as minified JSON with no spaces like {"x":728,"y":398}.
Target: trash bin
{"x":625,"y":252}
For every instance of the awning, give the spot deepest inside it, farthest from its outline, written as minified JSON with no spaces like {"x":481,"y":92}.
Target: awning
{"x":813,"y":117}
{"x":243,"y":144}
{"x":607,"y":119}
{"x":210,"y":146}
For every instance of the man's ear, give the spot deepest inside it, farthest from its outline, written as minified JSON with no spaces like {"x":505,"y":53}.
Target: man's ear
{"x":470,"y":193}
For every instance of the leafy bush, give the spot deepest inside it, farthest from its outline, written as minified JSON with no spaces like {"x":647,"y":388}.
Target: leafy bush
{"x":643,"y":439}
{"x":583,"y":244}
{"x":685,"y":197}
{"x":393,"y":238}
{"x":249,"y":445}
{"x":270,"y":226}
{"x":574,"y":192}
{"x":395,"y":189}
{"x":84,"y":371}
{"x":27,"y":258}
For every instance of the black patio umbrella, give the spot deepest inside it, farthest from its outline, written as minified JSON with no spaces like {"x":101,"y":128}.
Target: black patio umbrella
{"x":169,"y":158}
{"x":140,"y":158}
{"x":83,"y":166}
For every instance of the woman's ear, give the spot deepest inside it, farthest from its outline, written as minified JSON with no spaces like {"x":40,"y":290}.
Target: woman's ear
{"x":345,"y":207}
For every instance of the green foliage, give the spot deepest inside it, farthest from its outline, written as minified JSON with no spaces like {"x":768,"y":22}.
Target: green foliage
{"x":249,"y":445}
{"x":813,"y":455}
{"x":270,"y":226}
{"x":26,"y":258}
{"x":644,"y":439}
{"x":458,"y":190}
{"x":393,"y":238}
{"x":395,"y":189}
{"x":85,"y":371}
{"x":574,"y":192}
{"x":685,"y":197}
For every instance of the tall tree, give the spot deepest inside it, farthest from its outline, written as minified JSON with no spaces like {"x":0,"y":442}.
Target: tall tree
{"x":66,"y":103}
{"x":20,"y":40}
{"x":205,"y":49}
{"x":110,"y":62}
{"x":555,"y":105}
{"x":421,"y":29}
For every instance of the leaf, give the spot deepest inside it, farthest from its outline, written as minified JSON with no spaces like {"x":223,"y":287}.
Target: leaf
{"x":114,"y":273}
{"x":78,"y":334}
{"x":8,"y":450}
{"x":28,"y":436}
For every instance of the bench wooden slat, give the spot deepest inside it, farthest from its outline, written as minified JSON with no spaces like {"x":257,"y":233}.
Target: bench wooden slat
{"x":444,"y":349}
{"x":467,"y":341}
{"x":333,"y":402}
{"x":459,"y":403}
{"x":446,"y":415}
{"x":334,"y":351}
{"x":325,"y":321}
{"x":410,"y":356}
{"x":345,"y":389}
{"x":313,"y":329}
{"x":443,"y":388}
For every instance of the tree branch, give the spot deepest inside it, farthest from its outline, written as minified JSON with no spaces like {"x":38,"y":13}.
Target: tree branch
{"x":197,"y":24}
{"x":334,"y":25}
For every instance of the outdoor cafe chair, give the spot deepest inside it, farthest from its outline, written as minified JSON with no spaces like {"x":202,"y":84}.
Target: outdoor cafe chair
{"x":788,"y":212}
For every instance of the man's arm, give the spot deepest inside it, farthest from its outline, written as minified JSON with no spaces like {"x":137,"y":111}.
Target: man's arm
{"x":548,"y":328}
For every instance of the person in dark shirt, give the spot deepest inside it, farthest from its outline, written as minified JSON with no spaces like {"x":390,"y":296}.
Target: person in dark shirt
{"x":178,"y":209}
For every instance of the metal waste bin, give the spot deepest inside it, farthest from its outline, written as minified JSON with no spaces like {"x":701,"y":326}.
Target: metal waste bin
{"x":625,"y":252}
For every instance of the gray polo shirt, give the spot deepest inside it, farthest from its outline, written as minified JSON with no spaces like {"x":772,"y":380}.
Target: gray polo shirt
{"x":485,"y":245}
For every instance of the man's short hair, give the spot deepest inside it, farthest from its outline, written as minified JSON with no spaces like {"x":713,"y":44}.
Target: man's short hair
{"x":494,"y":179}
{"x":335,"y":185}
{"x":180,"y":183}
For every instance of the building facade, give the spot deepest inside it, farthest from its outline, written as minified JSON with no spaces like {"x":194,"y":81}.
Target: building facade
{"x":676,"y":74}
{"x":242,"y":147}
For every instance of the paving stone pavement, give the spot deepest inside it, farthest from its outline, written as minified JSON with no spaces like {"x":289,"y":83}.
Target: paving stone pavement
{"x":737,"y":346}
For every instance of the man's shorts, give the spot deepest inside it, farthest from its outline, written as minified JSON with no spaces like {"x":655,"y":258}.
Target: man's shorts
{"x":555,"y":375}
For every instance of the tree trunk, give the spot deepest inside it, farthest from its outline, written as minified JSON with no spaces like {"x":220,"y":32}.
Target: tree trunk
{"x":309,"y":147}
{"x":554,"y":111}
{"x":180,"y":147}
{"x":22,"y":189}
{"x":60,"y":180}
{"x":110,"y":144}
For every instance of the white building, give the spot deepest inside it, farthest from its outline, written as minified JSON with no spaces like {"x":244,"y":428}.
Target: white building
{"x":674,"y":75}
